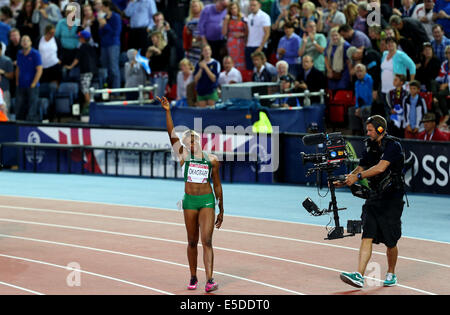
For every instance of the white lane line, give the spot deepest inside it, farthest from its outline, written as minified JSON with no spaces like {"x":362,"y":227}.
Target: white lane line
{"x":145,"y":258}
{"x":184,"y":243}
{"x":20,"y":288}
{"x":224,"y":230}
{"x":176,"y":210}
{"x":86,"y":272}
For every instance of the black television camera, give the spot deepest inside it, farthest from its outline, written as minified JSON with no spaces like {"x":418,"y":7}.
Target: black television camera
{"x":335,"y":150}
{"x":335,"y":155}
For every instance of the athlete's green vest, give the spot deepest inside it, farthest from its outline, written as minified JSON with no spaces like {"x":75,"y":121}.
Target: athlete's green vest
{"x":198,"y":171}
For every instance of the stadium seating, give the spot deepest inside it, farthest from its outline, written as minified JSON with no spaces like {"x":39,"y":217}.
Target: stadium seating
{"x":65,"y":97}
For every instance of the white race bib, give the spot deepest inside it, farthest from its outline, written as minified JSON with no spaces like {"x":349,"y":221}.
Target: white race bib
{"x":197,"y":173}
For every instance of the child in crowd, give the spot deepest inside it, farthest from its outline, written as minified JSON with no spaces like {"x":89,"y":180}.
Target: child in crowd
{"x":394,"y":101}
{"x":87,"y":60}
{"x":415,"y":108}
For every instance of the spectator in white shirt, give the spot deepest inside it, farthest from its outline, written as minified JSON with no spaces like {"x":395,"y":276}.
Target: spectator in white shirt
{"x":230,"y":74}
{"x":184,"y":80}
{"x":49,"y":49}
{"x":258,"y":31}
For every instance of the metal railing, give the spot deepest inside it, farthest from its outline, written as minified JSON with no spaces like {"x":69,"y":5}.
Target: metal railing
{"x":69,"y":148}
{"x":140,"y":89}
{"x":306,"y":94}
{"x":83,"y":148}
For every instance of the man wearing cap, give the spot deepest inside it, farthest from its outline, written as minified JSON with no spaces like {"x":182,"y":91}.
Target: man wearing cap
{"x":88,"y":66}
{"x":87,"y":61}
{"x":381,"y":163}
{"x":431,"y":133}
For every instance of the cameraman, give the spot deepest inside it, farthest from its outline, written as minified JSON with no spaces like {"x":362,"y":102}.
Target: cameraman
{"x":381,"y":163}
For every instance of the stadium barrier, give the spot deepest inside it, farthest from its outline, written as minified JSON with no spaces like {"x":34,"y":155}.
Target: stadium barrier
{"x":306,"y":97}
{"x":428,"y":169}
{"x":140,"y":89}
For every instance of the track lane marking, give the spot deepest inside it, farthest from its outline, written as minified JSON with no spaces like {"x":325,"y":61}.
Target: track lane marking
{"x":184,"y":243}
{"x":224,"y":230}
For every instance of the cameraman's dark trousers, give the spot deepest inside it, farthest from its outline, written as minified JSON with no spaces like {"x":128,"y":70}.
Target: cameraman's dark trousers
{"x":381,"y":220}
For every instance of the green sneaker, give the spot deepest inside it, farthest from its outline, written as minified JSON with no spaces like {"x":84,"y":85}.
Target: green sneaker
{"x":353,"y":278}
{"x":391,"y":280}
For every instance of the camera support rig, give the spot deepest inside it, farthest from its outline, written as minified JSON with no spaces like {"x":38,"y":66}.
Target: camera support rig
{"x":338,"y":230}
{"x":336,"y":155}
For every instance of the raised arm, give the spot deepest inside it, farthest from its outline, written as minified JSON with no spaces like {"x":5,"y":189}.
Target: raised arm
{"x":174,"y":140}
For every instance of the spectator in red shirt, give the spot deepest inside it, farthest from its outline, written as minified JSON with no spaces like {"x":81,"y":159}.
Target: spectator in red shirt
{"x":431,"y":133}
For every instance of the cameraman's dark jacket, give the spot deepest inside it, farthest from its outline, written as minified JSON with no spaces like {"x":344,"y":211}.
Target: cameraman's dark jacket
{"x":388,"y":184}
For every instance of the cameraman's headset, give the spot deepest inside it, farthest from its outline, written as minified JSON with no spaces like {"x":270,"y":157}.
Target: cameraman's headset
{"x":379,"y":128}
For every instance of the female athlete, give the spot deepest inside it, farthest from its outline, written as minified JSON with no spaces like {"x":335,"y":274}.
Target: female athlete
{"x":199,"y":201}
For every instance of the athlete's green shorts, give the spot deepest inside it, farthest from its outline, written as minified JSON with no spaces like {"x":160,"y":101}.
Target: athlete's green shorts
{"x":197,"y":202}
{"x":212,"y":96}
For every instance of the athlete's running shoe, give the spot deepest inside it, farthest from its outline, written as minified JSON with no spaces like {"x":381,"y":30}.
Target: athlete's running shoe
{"x":353,"y":278}
{"x":211,"y":285}
{"x":391,"y":280}
{"x":193,"y":284}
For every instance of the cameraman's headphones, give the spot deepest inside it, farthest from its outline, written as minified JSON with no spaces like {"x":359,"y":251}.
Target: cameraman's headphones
{"x":377,"y":123}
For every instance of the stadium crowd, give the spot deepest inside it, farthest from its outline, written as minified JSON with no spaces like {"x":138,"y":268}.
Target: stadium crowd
{"x":391,"y":56}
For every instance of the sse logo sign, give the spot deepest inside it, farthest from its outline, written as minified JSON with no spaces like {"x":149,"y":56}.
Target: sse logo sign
{"x":433,"y":171}
{"x":73,"y":14}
